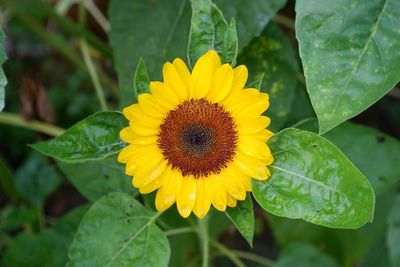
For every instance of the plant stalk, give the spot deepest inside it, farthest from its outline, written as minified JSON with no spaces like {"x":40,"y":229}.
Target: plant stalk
{"x":203,"y":237}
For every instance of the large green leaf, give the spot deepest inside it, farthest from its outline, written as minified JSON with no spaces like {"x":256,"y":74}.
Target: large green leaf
{"x":3,"y":79}
{"x":209,"y":30}
{"x":96,"y":178}
{"x":155,"y":30}
{"x":304,"y":255}
{"x":272,"y":56}
{"x":350,"y":54}
{"x":95,"y":137}
{"x":13,"y":217}
{"x":311,"y":179}
{"x":345,"y":245}
{"x":118,"y":231}
{"x":47,"y":249}
{"x":376,"y":154}
{"x":36,"y":179}
{"x":242,"y":217}
{"x":251,"y":16}
{"x":393,"y":233}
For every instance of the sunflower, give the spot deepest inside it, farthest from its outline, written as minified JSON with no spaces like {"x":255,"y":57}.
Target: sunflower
{"x":198,"y":138}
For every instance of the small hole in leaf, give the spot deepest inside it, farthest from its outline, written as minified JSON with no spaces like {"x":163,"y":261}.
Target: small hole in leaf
{"x":380,"y":139}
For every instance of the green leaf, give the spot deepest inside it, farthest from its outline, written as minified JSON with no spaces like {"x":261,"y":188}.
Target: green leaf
{"x":378,"y":255}
{"x":209,"y":30}
{"x":393,"y":233}
{"x":376,"y":154}
{"x":96,"y":178}
{"x":251,"y":16}
{"x":95,"y":137}
{"x":154,"y":30}
{"x":301,"y":107}
{"x":273,"y":55}
{"x":48,"y":249}
{"x":350,"y":59}
{"x":7,"y":181}
{"x":242,"y":217}
{"x":3,"y":79}
{"x":345,"y":245}
{"x":141,"y":81}
{"x":304,"y":255}
{"x":118,"y":231}
{"x":311,"y":179}
{"x":13,"y":217}
{"x":36,"y":179}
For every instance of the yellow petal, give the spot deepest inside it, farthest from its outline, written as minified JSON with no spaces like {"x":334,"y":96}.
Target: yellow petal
{"x":203,"y":199}
{"x":126,"y":153}
{"x":127,"y":135}
{"x":236,"y":102}
{"x":150,"y":187}
{"x":257,"y":107}
{"x":186,"y":197}
{"x":129,"y":111}
{"x":252,"y":167}
{"x":203,"y":73}
{"x":150,"y":107}
{"x":184,"y":73}
{"x":221,"y":83}
{"x":173,"y":80}
{"x":230,"y":181}
{"x":263,"y":135}
{"x":218,"y":198}
{"x":164,"y":95}
{"x":145,"y":179}
{"x":253,"y":126}
{"x":231,"y":201}
{"x":253,"y":147}
{"x":240,"y":75}
{"x":168,"y":192}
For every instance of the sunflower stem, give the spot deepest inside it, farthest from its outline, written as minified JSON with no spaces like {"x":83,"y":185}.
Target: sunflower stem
{"x":253,"y":257}
{"x":203,"y":237}
{"x":17,"y":120}
{"x":228,"y":253}
{"x":178,"y":231}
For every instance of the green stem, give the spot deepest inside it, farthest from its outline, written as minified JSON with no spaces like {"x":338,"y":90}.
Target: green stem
{"x":203,"y":237}
{"x":285,"y":21}
{"x":89,"y":63}
{"x":255,"y":258}
{"x":16,"y":120}
{"x":178,"y":231}
{"x":228,"y":253}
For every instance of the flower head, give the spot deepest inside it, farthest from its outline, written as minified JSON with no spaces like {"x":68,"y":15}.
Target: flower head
{"x":198,"y":138}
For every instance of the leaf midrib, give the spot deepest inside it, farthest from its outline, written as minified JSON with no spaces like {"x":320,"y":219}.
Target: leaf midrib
{"x":374,"y":29}
{"x":132,"y":238}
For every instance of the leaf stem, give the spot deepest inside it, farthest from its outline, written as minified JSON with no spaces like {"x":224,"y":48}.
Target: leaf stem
{"x":88,"y":61}
{"x":182,"y":230}
{"x":203,"y":237}
{"x":228,"y":253}
{"x":17,"y":120}
{"x":253,"y":257}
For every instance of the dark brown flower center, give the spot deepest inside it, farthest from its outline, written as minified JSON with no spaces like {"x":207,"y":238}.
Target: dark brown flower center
{"x":198,"y":138}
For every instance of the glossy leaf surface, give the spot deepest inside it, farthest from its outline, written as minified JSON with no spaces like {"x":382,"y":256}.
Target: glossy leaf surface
{"x":118,"y":231}
{"x":272,"y":56}
{"x":349,"y":51}
{"x":242,"y":217}
{"x":95,"y":137}
{"x":96,"y":178}
{"x":311,"y":179}
{"x":209,"y":30}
